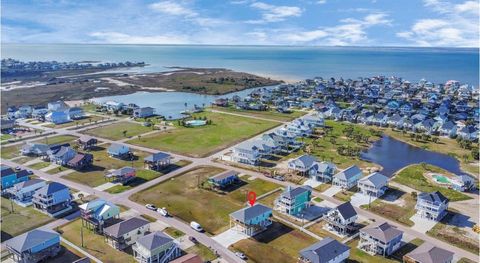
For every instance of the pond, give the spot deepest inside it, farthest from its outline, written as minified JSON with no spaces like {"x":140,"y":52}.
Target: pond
{"x":393,"y":155}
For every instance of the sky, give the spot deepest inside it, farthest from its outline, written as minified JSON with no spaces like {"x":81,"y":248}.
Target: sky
{"x":427,"y":23}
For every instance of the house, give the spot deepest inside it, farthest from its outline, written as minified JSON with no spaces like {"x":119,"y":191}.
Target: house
{"x":98,"y":213}
{"x":347,"y":178}
{"x":23,"y":112}
{"x":246,"y":152}
{"x":86,"y":142}
{"x":462,"y":183}
{"x":156,"y":247}
{"x":341,"y":219}
{"x":449,"y":128}
{"x":157,"y":161}
{"x":224,"y":179}
{"x":35,"y":149}
{"x":11,"y":177}
{"x":34,"y":246}
{"x":81,"y":161}
{"x":305,"y":165}
{"x":6,"y":124}
{"x":57,"y":117}
{"x":432,"y":206}
{"x":293,"y":201}
{"x":143,"y":112}
{"x":126,"y":233}
{"x":61,"y":156}
{"x":328,"y":250}
{"x":75,"y":113}
{"x":122,"y":175}
{"x":251,"y":220}
{"x":221,"y":102}
{"x":314,"y":120}
{"x":428,"y":253}
{"x":382,"y":239}
{"x":57,"y":106}
{"x":374,"y":185}
{"x":468,"y":132}
{"x":22,"y":193}
{"x":325,"y":172}
{"x":118,"y":151}
{"x":39,"y":112}
{"x":53,"y":199}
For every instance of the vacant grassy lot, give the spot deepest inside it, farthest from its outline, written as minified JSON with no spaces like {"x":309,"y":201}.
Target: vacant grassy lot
{"x":77,"y":123}
{"x":413,"y":176}
{"x":448,"y":232}
{"x":21,"y":220}
{"x":13,"y":151}
{"x":202,"y":251}
{"x":269,"y":114}
{"x":224,"y":131}
{"x":279,"y":243}
{"x":400,"y":212}
{"x":40,"y":165}
{"x":93,"y":243}
{"x":67,"y":254}
{"x":115,"y":131}
{"x":94,"y":176}
{"x":183,"y":198}
{"x":346,"y":195}
{"x":173,"y":232}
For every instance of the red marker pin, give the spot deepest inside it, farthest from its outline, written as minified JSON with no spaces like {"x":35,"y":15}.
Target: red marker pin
{"x":252,"y":196}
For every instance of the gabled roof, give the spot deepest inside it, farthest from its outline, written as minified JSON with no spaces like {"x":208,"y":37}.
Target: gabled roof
{"x":121,"y":228}
{"x":224,"y":175}
{"x":31,"y":239}
{"x":6,"y":171}
{"x":116,"y":147}
{"x":348,"y":173}
{"x":375,"y":179}
{"x":80,"y":156}
{"x":154,"y":240}
{"x":157,"y":157}
{"x":51,"y":188}
{"x":383,"y":232}
{"x":433,"y":197}
{"x":248,"y":213}
{"x":123,"y":170}
{"x":346,"y":210}
{"x":306,"y":160}
{"x":86,"y":138}
{"x":323,"y":166}
{"x":292,"y":193}
{"x":324,"y":251}
{"x":28,"y":183}
{"x":428,"y":253}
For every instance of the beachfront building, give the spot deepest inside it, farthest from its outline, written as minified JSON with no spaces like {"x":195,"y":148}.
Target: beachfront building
{"x":432,"y":206}
{"x":122,"y":175}
{"x":328,"y":250}
{"x":53,"y":199}
{"x":347,"y":178}
{"x":246,"y":152}
{"x":305,"y":165}
{"x":34,"y":246}
{"x":428,"y":253}
{"x":341,"y":219}
{"x":10,"y":177}
{"x":86,"y":142}
{"x":22,"y":193}
{"x":98,"y":213}
{"x":224,"y":179}
{"x":143,"y":112}
{"x":156,"y":247}
{"x":373,"y":185}
{"x":293,"y":201}
{"x":251,"y":220}
{"x":157,"y":161}
{"x":126,"y":233}
{"x":382,"y":239}
{"x":119,"y":151}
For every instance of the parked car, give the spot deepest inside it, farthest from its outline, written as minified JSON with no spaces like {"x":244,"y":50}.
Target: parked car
{"x":196,"y":226}
{"x":163,"y":211}
{"x":194,"y":240}
{"x":151,"y":207}
{"x":241,"y":255}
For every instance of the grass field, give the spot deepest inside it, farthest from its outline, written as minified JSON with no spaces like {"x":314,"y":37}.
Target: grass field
{"x":115,"y":131}
{"x":173,"y":232}
{"x":346,"y":195}
{"x":269,"y":114}
{"x":224,"y":131}
{"x":40,"y":165}
{"x":279,"y":243}
{"x":21,"y":220}
{"x":93,"y":243}
{"x":413,"y":176}
{"x":13,"y":151}
{"x":358,"y":255}
{"x":183,"y":198}
{"x":94,"y":176}
{"x":77,"y":123}
{"x":202,"y":251}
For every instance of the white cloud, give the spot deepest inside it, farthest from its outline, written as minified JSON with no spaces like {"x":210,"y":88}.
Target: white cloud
{"x":274,"y":13}
{"x":172,"y":8}
{"x":456,"y":26}
{"x":321,"y":2}
{"x":116,"y":38}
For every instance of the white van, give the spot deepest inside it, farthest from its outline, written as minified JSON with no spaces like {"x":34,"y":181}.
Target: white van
{"x":196,"y":226}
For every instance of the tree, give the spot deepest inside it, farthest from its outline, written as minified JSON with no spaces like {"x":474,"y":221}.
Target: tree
{"x":124,"y":133}
{"x":475,"y":153}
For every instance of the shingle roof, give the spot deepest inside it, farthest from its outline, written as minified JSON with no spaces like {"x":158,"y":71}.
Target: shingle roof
{"x":31,"y":239}
{"x":428,"y":253}
{"x":306,"y":160}
{"x":28,"y":183}
{"x":324,"y":251}
{"x":247,"y":213}
{"x":346,"y":210}
{"x":292,"y":193}
{"x":224,"y":175}
{"x":348,"y":173}
{"x":383,"y":232}
{"x":376,"y":179}
{"x":123,"y":170}
{"x":156,"y":157}
{"x":6,"y":171}
{"x":126,"y":226}
{"x":154,"y":240}
{"x":51,"y":188}
{"x":433,"y":197}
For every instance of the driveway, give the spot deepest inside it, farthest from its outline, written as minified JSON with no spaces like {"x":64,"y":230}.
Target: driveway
{"x":229,"y":237}
{"x":312,"y":182}
{"x":422,"y":225}
{"x":359,"y":199}
{"x":332,"y":191}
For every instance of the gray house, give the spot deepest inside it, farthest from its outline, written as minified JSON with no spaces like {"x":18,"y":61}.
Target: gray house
{"x":304,"y":165}
{"x":374,"y":184}
{"x":34,"y":246}
{"x":126,"y":233}
{"x":328,"y":250}
{"x":341,"y":219}
{"x":428,"y":253}
{"x":156,"y":247}
{"x":432,"y":206}
{"x":347,"y":178}
{"x":382,"y":239}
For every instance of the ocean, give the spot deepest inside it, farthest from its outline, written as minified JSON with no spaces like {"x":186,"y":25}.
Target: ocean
{"x":281,"y":62}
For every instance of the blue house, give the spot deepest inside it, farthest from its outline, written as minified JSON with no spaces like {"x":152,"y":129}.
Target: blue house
{"x":53,"y":199}
{"x":11,"y":177}
{"x":57,"y":117}
{"x":61,"y":156}
{"x":251,"y":220}
{"x":34,"y":246}
{"x":224,"y":179}
{"x":118,"y":151}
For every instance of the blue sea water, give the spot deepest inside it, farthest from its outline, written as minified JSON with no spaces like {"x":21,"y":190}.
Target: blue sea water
{"x":281,"y":62}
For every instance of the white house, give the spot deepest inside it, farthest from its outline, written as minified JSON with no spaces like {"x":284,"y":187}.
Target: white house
{"x":432,"y":206}
{"x":374,"y":184}
{"x":22,"y":193}
{"x":305,"y":165}
{"x":328,"y":250}
{"x":382,"y":239}
{"x":341,"y":219}
{"x":347,"y":178}
{"x":156,"y":247}
{"x":247,"y":152}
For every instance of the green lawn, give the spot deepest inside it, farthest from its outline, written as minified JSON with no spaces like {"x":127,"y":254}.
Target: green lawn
{"x":279,"y":243}
{"x":40,"y":165}
{"x":269,"y":114}
{"x":21,"y":220}
{"x":93,"y":243}
{"x":77,"y":123}
{"x":173,"y":232}
{"x":322,"y":188}
{"x":346,"y":195}
{"x":224,"y":131}
{"x":94,"y":176}
{"x":183,"y":198}
{"x":395,"y":212}
{"x":202,"y":251}
{"x":115,"y":131}
{"x":13,"y":151}
{"x":358,"y":255}
{"x":413,"y":176}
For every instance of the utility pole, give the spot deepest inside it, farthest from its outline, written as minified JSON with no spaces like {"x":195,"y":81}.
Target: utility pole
{"x":11,"y":204}
{"x":81,"y":233}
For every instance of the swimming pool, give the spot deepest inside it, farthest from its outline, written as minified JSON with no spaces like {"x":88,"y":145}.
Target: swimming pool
{"x":196,"y":122}
{"x":441,"y":179}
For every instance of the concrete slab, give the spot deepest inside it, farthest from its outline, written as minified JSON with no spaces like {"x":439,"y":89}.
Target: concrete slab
{"x":229,"y":237}
{"x":359,"y":199}
{"x":312,"y":182}
{"x":105,"y":186}
{"x":422,"y":225}
{"x":332,"y":191}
